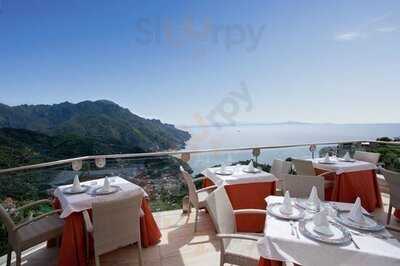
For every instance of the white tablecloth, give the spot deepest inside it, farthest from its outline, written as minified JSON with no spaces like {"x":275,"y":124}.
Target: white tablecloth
{"x":238,"y":176}
{"x":341,"y":167}
{"x":83,"y":201}
{"x":279,"y":244}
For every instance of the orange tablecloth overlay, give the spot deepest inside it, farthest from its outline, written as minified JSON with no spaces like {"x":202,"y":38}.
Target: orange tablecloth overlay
{"x":72,"y":250}
{"x":363,"y":184}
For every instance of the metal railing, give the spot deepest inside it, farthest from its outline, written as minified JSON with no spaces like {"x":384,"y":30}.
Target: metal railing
{"x":185,"y":154}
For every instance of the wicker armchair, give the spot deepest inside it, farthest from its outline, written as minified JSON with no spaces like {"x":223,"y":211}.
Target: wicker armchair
{"x":370,"y":157}
{"x":32,"y":232}
{"x":306,"y":168}
{"x":197,"y":198}
{"x":279,"y":169}
{"x":393,"y":180}
{"x":116,"y":223}
{"x":238,"y":249}
{"x":300,"y":185}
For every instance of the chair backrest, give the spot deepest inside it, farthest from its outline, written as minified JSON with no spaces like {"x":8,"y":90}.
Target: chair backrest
{"x":370,"y":157}
{"x":300,"y":186}
{"x":220,"y":209}
{"x":393,"y":180}
{"x":116,"y":222}
{"x":191,"y":187}
{"x":280,"y":168}
{"x":6,"y":219}
{"x":304,"y":167}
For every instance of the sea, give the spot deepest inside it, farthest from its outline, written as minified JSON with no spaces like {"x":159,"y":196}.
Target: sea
{"x":241,"y":136}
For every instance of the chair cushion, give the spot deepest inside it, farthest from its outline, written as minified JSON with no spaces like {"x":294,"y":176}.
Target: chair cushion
{"x":202,"y":198}
{"x":39,"y":231}
{"x":239,"y":251}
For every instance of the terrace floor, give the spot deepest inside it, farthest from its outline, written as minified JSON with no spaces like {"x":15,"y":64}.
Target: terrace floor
{"x":179,"y":245}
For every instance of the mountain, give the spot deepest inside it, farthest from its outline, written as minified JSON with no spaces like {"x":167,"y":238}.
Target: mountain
{"x":102,"y":122}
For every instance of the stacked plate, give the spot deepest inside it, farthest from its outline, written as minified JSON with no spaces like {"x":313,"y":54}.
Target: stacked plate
{"x":251,"y":171}
{"x":303,"y":203}
{"x":102,"y":191}
{"x":274,"y":209}
{"x":369,"y":224}
{"x":339,"y":235}
{"x":224,"y":172}
{"x":71,"y":191}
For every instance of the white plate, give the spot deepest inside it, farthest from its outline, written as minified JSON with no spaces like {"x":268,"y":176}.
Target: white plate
{"x":347,"y":161}
{"x":323,"y":162}
{"x":303,"y":203}
{"x":226,"y":172}
{"x":274,"y":210}
{"x":69,"y":190}
{"x":255,"y":171}
{"x":339,"y":236}
{"x":369,"y":225}
{"x":100,"y":191}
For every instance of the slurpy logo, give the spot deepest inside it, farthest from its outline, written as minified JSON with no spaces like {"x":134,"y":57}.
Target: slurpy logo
{"x":158,"y":30}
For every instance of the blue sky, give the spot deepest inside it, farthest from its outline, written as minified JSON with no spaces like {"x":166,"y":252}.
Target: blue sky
{"x":180,"y":61}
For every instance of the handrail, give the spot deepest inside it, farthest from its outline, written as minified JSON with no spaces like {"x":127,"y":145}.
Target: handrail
{"x":165,"y":153}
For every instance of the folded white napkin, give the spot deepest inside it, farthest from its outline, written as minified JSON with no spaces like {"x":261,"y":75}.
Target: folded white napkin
{"x":356,"y":212}
{"x":327,"y":158}
{"x":321,"y":222}
{"x":347,"y":156}
{"x":287,"y":207}
{"x":223,"y":168}
{"x":250,"y":167}
{"x":313,"y":199}
{"x":106,"y":185}
{"x":76,"y":186}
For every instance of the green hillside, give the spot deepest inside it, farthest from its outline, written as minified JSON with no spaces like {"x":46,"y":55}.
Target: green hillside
{"x":100,"y":121}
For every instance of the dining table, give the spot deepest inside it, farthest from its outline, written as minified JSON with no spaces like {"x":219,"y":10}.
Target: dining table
{"x":73,"y":244}
{"x":281,"y":244}
{"x":239,"y":185}
{"x":352,"y":179}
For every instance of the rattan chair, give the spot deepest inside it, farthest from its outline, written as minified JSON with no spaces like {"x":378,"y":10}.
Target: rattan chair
{"x":238,"y":249}
{"x":393,"y":180}
{"x":300,"y":185}
{"x":116,"y":223}
{"x":279,"y":169}
{"x":197,"y":198}
{"x":370,"y":157}
{"x":306,"y":168}
{"x":32,"y":232}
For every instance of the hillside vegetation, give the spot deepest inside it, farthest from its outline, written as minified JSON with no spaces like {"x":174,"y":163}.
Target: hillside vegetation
{"x":102,"y":122}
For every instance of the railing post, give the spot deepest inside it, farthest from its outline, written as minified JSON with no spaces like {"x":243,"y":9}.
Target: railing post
{"x":76,"y":165}
{"x":256,"y":153}
{"x":313,"y":148}
{"x":185,"y":157}
{"x":100,"y":162}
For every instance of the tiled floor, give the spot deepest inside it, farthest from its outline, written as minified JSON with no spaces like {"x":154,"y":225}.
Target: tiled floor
{"x":179,"y":244}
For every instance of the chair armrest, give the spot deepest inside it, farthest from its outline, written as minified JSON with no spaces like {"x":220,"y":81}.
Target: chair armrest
{"x":88,"y":222}
{"x":238,"y":236}
{"x":391,"y":228}
{"x":249,"y":211}
{"x":206,"y":189}
{"x":200,"y":178}
{"x":34,"y":219}
{"x":327,"y":173}
{"x":32,"y":204}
